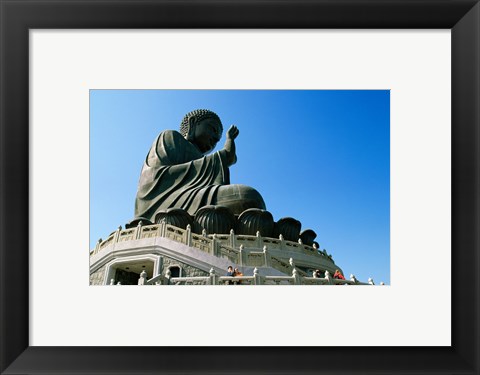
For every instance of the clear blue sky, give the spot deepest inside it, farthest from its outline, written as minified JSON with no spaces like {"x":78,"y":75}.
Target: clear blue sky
{"x":322,"y":157}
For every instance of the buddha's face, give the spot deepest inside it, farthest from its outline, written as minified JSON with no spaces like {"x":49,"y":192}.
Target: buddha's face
{"x":206,"y":134}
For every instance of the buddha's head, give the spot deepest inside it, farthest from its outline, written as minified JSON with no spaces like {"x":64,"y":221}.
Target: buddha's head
{"x":202,"y":128}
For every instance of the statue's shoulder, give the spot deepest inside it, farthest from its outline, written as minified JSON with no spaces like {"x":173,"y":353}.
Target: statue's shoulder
{"x":171,"y":137}
{"x":171,"y":148}
{"x":172,"y":144}
{"x":171,"y":134}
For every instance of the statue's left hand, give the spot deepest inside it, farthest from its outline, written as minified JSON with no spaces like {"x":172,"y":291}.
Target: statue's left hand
{"x":232,"y":132}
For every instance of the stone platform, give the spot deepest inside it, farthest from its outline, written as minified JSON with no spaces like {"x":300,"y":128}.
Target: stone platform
{"x":157,"y":249}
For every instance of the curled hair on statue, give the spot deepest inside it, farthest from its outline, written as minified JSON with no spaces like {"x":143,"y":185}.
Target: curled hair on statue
{"x":198,"y":115}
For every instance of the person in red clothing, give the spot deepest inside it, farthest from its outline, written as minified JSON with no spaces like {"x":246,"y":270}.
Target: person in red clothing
{"x":338,"y":275}
{"x":236,"y":272}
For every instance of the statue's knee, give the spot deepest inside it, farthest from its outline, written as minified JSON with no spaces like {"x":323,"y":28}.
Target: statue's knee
{"x":250,"y":194}
{"x":239,"y":198}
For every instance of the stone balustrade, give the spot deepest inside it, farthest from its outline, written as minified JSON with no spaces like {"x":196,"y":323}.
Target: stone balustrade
{"x":255,"y":279}
{"x":239,"y":249}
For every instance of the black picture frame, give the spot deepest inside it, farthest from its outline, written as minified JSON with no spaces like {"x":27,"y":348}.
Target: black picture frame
{"x":18,"y":17}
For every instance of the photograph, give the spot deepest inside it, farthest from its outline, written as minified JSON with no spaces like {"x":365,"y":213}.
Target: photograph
{"x":239,"y":187}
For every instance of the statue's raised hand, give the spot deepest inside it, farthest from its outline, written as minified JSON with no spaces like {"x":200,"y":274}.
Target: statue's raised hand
{"x":232,"y":132}
{"x":229,"y":147}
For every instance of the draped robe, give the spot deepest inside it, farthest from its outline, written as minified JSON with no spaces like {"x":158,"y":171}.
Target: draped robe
{"x":176,"y":174}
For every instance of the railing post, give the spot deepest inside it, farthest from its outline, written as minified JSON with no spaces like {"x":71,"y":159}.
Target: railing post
{"x":143,"y":278}
{"x":212,"y":279}
{"x":328,"y":278}
{"x":161,"y":229}
{"x":97,"y":246}
{"x":292,"y":264}
{"x":117,"y":234}
{"x":256,"y":277}
{"x":188,"y":236}
{"x":240,"y":255}
{"x":232,"y":239}
{"x":296,"y":277}
{"x":138,"y":230}
{"x":282,"y":242}
{"x":213,"y":248}
{"x":266,"y":256}
{"x":259,"y":239}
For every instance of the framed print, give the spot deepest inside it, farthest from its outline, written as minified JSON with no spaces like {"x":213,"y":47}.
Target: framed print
{"x":416,"y":238}
{"x":46,"y":302}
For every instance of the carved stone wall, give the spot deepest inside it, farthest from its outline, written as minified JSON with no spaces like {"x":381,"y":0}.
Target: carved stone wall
{"x":96,"y":278}
{"x":187,"y":270}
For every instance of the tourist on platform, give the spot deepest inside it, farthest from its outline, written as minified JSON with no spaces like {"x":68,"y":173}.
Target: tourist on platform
{"x":230,"y":272}
{"x":338,"y":275}
{"x":237,"y":272}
